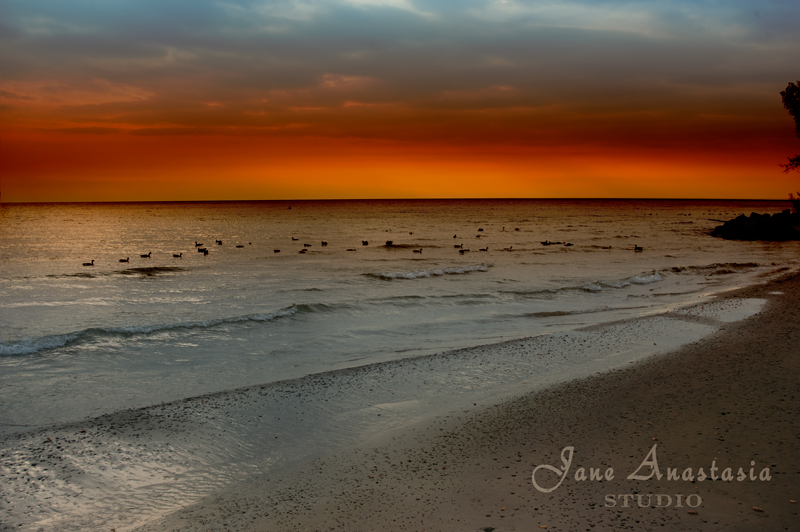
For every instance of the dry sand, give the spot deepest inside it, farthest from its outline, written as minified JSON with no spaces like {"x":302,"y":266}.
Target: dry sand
{"x":727,"y":400}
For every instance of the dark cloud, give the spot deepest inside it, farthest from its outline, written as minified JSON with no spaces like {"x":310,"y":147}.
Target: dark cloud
{"x":12,"y":96}
{"x":87,"y":130}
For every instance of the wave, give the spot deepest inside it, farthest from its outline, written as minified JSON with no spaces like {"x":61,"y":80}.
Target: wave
{"x":595,"y":286}
{"x":648,"y":278}
{"x":151,"y":271}
{"x":88,"y":302}
{"x":717,"y":267}
{"x":559,"y":313}
{"x":433,"y":272}
{"x":30,"y":346}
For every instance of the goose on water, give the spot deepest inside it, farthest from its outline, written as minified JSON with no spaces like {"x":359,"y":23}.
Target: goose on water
{"x":147,"y":256}
{"x":123,"y":260}
{"x":637,"y":248}
{"x":89,"y":263}
{"x":179,"y":256}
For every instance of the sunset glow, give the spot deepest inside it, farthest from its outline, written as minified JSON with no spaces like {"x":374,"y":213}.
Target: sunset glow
{"x":234,"y":100}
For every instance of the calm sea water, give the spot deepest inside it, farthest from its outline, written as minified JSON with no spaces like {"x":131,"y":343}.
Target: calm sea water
{"x":80,"y":341}
{"x":219,"y":367}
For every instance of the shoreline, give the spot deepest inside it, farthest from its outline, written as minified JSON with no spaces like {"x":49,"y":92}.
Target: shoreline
{"x":728,"y":399}
{"x":137,"y":466}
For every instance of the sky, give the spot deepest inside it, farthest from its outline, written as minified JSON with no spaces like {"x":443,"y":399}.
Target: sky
{"x":149,"y":100}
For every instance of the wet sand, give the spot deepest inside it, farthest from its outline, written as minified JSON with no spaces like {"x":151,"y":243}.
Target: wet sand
{"x":729,"y":400}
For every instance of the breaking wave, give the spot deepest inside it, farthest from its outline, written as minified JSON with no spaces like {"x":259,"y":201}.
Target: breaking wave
{"x":432,"y":272}
{"x":29,"y":346}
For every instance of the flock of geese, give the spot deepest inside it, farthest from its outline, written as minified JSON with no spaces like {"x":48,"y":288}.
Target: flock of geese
{"x":389,"y":244}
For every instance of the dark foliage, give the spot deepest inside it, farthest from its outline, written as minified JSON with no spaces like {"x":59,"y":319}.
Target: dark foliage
{"x":791,"y":101}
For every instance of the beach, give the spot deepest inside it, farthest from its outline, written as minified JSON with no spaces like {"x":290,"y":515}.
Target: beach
{"x":728,"y":400}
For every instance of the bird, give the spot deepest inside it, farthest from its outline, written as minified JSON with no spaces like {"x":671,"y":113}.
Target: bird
{"x":205,"y":252}
{"x":324,"y":243}
{"x":458,"y":246}
{"x":196,"y":244}
{"x":240,"y":245}
{"x":294,"y":239}
{"x":365,"y":243}
{"x":546,"y":243}
{"x":637,"y":248}
{"x":147,"y":256}
{"x":179,"y":256}
{"x":418,"y":250}
{"x":462,"y":251}
{"x":89,"y":263}
{"x":201,"y":250}
{"x":219,"y":242}
{"x":276,"y":251}
{"x":123,"y":260}
{"x":303,"y":250}
{"x":484,"y":249}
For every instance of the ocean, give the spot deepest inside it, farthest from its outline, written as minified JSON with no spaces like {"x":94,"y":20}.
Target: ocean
{"x":320,"y":311}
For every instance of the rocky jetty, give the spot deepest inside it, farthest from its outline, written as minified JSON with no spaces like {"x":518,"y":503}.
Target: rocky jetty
{"x":777,"y":227}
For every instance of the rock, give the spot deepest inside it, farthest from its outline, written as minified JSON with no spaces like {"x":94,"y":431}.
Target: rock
{"x":777,"y":227}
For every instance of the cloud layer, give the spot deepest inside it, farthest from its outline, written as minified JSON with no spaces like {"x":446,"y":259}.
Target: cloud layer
{"x":673,"y":75}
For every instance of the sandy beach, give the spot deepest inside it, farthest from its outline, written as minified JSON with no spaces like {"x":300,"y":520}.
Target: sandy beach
{"x":721,"y":404}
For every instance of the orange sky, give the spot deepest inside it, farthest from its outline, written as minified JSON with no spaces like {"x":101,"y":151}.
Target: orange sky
{"x":394,"y":99}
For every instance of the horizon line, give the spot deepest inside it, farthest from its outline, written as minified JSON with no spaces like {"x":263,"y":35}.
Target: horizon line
{"x":380,"y":199}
